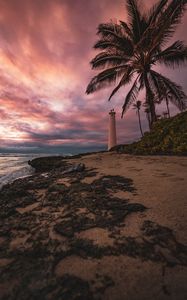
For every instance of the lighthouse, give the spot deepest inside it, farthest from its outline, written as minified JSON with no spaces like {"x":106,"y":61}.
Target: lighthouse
{"x":112,"y":129}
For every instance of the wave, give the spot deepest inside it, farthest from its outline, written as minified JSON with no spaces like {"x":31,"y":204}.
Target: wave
{"x":19,"y":173}
{"x":16,"y":154}
{"x":15,"y":165}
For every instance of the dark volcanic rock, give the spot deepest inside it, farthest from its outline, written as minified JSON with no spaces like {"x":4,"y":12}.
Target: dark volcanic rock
{"x":44,"y":164}
{"x":76,"y":168}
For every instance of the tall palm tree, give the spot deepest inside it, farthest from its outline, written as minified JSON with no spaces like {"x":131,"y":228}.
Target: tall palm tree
{"x":129,"y":52}
{"x":167,"y":105}
{"x":137,"y":106}
{"x":147,"y":111}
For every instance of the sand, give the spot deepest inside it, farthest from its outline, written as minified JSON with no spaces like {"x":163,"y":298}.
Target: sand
{"x":161,"y":185}
{"x":160,"y":181}
{"x":142,"y":257}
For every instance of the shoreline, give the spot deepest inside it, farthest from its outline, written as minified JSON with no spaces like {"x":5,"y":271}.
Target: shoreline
{"x":93,"y":223}
{"x":38,"y":163}
{"x":50,"y":162}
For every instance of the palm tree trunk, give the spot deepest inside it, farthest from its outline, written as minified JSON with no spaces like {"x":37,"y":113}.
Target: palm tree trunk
{"x":149,"y":120}
{"x":150,"y":100}
{"x":140,"y":122}
{"x":167,"y":104}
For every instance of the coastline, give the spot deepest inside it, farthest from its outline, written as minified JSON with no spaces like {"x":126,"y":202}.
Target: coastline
{"x":118,"y":220}
{"x":13,"y":166}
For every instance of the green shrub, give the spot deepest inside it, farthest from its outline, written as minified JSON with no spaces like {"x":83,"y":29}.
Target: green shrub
{"x":167,"y":136}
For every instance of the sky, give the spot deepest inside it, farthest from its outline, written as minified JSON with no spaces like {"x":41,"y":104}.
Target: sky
{"x":45,"y":50}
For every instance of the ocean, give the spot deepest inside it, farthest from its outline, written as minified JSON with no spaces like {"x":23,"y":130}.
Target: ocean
{"x":13,"y":166}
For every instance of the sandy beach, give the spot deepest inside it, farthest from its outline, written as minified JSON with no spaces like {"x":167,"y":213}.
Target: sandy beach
{"x":160,"y":184}
{"x":115,"y":230}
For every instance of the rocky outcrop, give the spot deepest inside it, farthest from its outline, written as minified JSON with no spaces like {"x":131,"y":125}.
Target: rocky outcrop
{"x":48,"y":163}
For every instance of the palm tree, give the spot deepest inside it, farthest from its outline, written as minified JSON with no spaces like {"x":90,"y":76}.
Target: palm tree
{"x":137,"y":106}
{"x":165,"y":114}
{"x":167,"y":105}
{"x":147,"y":111}
{"x":168,"y":97}
{"x":129,"y":51}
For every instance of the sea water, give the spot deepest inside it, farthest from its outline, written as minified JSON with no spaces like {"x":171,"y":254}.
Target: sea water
{"x":13,"y":166}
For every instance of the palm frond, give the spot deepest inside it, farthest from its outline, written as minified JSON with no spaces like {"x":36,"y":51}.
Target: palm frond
{"x":144,"y":25}
{"x":126,"y":78}
{"x":104,"y":79}
{"x":134,"y":18}
{"x":141,"y":83}
{"x":115,"y":34}
{"x":177,"y":95}
{"x":174,"y":55}
{"x":159,"y":31}
{"x":131,"y":96}
{"x":169,"y":19}
{"x":157,"y":86}
{"x":111,"y":30}
{"x":156,"y":11}
{"x":123,"y":45}
{"x":108,"y":59}
{"x":107,"y":44}
{"x":176,"y":10}
{"x":127,"y":29}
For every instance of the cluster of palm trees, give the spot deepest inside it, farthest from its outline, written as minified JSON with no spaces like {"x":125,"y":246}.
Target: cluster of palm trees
{"x":138,"y":105}
{"x":129,"y":52}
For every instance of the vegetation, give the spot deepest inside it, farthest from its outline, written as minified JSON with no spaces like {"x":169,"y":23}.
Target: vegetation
{"x":167,"y":136}
{"x":130,"y":51}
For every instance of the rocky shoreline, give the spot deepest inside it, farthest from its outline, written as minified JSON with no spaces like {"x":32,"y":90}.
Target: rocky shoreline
{"x":61,"y":234}
{"x":50,"y":163}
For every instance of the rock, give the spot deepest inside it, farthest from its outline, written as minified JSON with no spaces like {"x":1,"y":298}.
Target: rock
{"x":46,"y":164}
{"x":45,"y":175}
{"x":66,"y":231}
{"x":76,"y":168}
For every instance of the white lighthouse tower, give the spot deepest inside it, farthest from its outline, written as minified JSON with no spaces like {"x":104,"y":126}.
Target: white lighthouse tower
{"x":112,"y":129}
